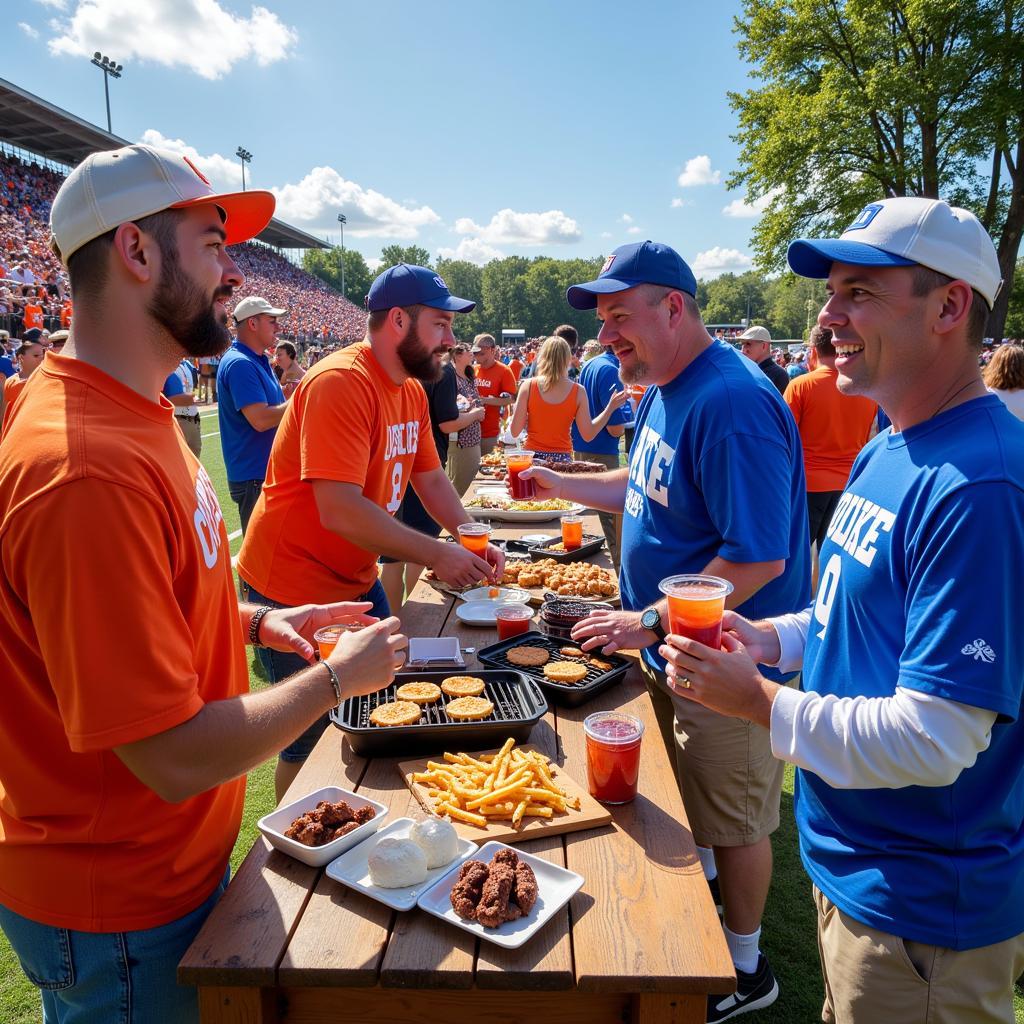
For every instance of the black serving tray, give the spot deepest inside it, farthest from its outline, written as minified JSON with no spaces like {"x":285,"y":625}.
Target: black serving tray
{"x":591,"y":545}
{"x":569,"y":695}
{"x":518,"y":705}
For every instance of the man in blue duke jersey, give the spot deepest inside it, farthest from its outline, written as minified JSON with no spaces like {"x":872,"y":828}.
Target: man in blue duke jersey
{"x":715,"y":485}
{"x":908,"y":734}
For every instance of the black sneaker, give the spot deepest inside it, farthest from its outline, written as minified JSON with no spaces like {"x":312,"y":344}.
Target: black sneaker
{"x":716,"y":893}
{"x":753,"y":992}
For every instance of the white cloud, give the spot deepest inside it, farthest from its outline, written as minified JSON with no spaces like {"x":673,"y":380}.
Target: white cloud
{"x":634,"y":230}
{"x":374,"y":264}
{"x":224,"y":172}
{"x":31,"y":32}
{"x":626,"y":219}
{"x":473,"y":249}
{"x":718,"y":260}
{"x":507,"y":227}
{"x":678,"y":204}
{"x":315,"y":201}
{"x":199,"y":34}
{"x":606,"y":234}
{"x":741,"y":208}
{"x":323,"y":193}
{"x":60,"y":5}
{"x":698,"y":172}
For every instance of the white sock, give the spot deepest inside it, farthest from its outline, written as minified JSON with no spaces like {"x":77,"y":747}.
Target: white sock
{"x":707,"y":862}
{"x":743,"y":949}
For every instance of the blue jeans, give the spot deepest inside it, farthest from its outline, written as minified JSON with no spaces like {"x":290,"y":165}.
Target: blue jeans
{"x":279,"y":666}
{"x":109,"y":977}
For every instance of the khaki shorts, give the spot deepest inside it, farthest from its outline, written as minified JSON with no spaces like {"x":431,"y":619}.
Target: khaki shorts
{"x":487,"y":445}
{"x":872,"y":977}
{"x":730,"y":780}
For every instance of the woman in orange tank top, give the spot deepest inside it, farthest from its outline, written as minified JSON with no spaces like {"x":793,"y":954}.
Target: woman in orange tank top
{"x":549,"y":403}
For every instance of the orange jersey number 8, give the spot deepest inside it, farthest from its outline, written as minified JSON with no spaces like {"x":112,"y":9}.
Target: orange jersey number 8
{"x":396,"y":489}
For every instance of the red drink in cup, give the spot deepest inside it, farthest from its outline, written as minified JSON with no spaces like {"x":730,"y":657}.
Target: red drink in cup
{"x":695,"y":606}
{"x":572,"y":532}
{"x":327,"y":637}
{"x":613,"y":755}
{"x":516,"y":462}
{"x":513,"y":619}
{"x":475,"y":537}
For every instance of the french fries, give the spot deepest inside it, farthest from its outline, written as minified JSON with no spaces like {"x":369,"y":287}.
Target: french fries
{"x":511,"y":785}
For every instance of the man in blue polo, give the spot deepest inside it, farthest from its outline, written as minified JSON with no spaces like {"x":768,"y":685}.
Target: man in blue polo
{"x":715,"y":485}
{"x":250,"y":402}
{"x":599,"y":377}
{"x":908,"y":734}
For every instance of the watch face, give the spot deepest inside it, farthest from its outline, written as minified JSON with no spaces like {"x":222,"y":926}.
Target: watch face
{"x":650,"y":619}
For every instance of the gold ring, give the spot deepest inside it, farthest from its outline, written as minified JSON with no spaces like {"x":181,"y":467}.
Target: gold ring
{"x":685,"y":682}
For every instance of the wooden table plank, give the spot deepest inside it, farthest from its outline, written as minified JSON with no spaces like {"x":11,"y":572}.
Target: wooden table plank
{"x":243,"y":940}
{"x":623,"y":939}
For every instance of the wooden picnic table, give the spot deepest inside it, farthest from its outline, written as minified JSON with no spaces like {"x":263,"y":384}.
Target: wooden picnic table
{"x":640,"y":942}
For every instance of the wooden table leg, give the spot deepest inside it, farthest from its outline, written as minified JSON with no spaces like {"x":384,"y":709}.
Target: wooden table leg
{"x":655,"y":1008}
{"x":223,"y":1005}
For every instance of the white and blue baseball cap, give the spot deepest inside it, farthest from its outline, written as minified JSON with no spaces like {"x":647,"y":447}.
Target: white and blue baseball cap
{"x":409,"y":285}
{"x":631,"y":265}
{"x":904,"y":232}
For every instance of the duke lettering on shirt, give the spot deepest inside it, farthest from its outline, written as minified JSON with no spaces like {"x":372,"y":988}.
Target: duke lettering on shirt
{"x":852,"y":514}
{"x":649,"y":470}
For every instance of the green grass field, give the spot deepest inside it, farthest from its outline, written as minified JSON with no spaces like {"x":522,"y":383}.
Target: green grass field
{"x":789,"y":927}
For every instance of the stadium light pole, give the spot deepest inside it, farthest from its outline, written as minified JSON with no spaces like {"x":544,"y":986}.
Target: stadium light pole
{"x":110,"y":69}
{"x":245,"y":156}
{"x":342,"y":221}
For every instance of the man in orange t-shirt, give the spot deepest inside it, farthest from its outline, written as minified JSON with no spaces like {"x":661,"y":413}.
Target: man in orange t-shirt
{"x":33,"y":315}
{"x":515,"y":364}
{"x":497,"y":387}
{"x":833,"y":429}
{"x":356,"y":433}
{"x":127,"y":725}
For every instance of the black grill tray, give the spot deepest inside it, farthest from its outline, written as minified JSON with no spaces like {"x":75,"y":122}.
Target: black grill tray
{"x":518,"y":706}
{"x":569,"y":695}
{"x":591,"y":544}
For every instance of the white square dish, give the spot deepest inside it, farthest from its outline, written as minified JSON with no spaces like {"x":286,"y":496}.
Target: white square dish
{"x":352,"y":868}
{"x":273,"y":826}
{"x":434,"y":650}
{"x":555,"y":887}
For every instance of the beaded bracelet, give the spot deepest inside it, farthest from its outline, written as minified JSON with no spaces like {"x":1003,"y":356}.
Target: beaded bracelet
{"x":335,"y":682}
{"x":254,"y":625}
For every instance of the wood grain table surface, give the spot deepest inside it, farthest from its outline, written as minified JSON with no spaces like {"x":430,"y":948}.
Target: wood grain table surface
{"x":640,"y":942}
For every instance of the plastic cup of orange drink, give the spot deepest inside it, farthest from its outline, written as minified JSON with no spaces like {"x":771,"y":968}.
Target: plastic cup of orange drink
{"x":516,"y":461}
{"x":475,"y":537}
{"x":572,"y":532}
{"x":695,"y":606}
{"x":513,"y":619}
{"x":326,"y":638}
{"x":613,"y":755}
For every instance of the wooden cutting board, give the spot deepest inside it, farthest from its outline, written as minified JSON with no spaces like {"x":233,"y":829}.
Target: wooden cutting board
{"x":590,"y":815}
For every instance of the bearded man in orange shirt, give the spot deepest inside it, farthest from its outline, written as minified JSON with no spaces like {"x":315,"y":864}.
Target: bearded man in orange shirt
{"x":127,"y":727}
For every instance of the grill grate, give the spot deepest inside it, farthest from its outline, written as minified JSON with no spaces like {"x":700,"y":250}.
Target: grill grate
{"x":497,"y":654}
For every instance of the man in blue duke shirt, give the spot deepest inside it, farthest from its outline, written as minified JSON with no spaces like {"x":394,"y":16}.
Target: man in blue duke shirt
{"x":908,"y":735}
{"x":715,"y":485}
{"x":250,"y":402}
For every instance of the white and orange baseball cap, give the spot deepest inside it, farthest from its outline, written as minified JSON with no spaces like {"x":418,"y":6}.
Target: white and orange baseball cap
{"x":121,"y":185}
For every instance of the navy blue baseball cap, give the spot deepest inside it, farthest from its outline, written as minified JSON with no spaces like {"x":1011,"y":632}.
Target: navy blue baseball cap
{"x":406,"y":285}
{"x":629,"y":265}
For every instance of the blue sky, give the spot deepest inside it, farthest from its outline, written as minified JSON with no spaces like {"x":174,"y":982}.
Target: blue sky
{"x":472,"y":129}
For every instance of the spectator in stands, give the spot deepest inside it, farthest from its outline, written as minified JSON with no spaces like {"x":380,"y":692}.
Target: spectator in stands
{"x":1004,"y":376}
{"x":57,"y":341}
{"x":496,"y":386}
{"x":30,"y":353}
{"x":286,"y":359}
{"x":250,"y":402}
{"x":464,"y":455}
{"x":549,"y":403}
{"x":180,"y":392}
{"x":6,"y":366}
{"x":756,"y":344}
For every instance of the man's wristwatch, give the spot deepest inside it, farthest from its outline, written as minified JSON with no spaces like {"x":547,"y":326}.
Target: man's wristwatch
{"x":651,"y":619}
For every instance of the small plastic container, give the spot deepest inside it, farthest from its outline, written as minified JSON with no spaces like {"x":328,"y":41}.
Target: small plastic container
{"x":613,"y":755}
{"x":513,"y":619}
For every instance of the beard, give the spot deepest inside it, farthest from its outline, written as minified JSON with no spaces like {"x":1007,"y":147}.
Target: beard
{"x":417,"y":361}
{"x":182,"y":308}
{"x":635,"y":374}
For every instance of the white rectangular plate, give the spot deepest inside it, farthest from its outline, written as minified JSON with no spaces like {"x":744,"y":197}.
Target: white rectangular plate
{"x":273,"y":825}
{"x":434,"y":650}
{"x":555,"y":887}
{"x":352,"y":868}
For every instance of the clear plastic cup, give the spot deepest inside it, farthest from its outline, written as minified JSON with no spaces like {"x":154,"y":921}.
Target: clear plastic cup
{"x":475,"y":537}
{"x":613,"y":755}
{"x":326,"y":638}
{"x":515,"y":462}
{"x":512,"y":619}
{"x":695,"y":606}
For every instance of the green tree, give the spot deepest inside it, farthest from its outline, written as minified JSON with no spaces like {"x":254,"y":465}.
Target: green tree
{"x":1015,"y":313}
{"x":326,"y":264}
{"x":731,"y":295}
{"x":863,"y":99}
{"x":392,"y":255}
{"x":504,"y":290}
{"x":466,"y":280}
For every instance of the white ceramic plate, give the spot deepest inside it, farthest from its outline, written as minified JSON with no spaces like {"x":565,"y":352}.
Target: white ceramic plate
{"x":555,"y":887}
{"x":505,"y":595}
{"x":273,"y":825}
{"x":352,"y":868}
{"x":481,"y":613}
{"x":508,"y":516}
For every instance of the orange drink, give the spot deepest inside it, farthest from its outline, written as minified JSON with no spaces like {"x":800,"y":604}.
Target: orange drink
{"x":513,"y":619}
{"x":695,"y":606}
{"x":572,"y":532}
{"x":613,"y":755}
{"x":516,"y":462}
{"x":475,"y":537}
{"x":326,"y":638}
